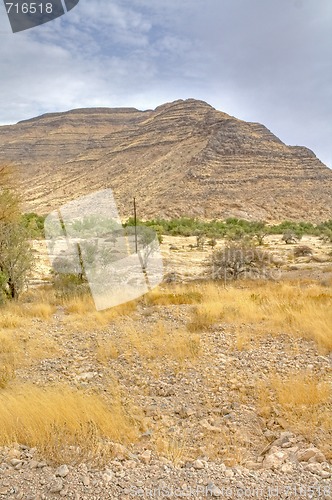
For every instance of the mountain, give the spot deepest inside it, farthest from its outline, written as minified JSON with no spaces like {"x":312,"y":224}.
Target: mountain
{"x":183,"y":158}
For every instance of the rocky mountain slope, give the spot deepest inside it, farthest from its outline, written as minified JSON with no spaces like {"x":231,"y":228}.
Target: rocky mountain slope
{"x":183,"y":158}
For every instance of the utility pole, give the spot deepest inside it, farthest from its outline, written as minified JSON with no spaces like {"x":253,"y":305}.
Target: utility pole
{"x":135,"y":222}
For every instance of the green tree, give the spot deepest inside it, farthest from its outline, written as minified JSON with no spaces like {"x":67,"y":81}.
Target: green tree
{"x":16,"y":257}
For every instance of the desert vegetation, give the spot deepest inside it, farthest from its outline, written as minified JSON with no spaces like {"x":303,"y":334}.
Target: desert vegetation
{"x":133,"y":352}
{"x":232,"y":228}
{"x":214,"y":366}
{"x":235,"y":229}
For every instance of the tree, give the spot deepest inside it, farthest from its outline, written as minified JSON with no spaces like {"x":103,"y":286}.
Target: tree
{"x":237,"y":260}
{"x":260,"y":235}
{"x":16,"y":256}
{"x":200,"y":239}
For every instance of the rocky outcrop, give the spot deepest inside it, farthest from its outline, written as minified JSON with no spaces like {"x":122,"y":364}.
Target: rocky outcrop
{"x":183,"y":158}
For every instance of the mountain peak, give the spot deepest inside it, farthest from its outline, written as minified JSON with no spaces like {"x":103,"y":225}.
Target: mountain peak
{"x":183,"y":158}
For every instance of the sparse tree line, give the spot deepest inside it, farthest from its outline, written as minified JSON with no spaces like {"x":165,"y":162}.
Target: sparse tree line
{"x":234,"y":229}
{"x":240,"y":255}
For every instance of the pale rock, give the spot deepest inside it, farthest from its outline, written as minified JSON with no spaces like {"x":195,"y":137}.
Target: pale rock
{"x":56,"y":485}
{"x":286,"y":468}
{"x":229,"y":473}
{"x":146,"y":456}
{"x":198,"y":464}
{"x":213,"y":490}
{"x":15,"y":461}
{"x":86,"y":481}
{"x":120,"y":451}
{"x":306,"y":455}
{"x":108,"y":476}
{"x":274,"y":460}
{"x":62,"y":471}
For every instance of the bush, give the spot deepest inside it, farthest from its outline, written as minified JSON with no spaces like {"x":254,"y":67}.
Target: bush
{"x":34,"y":224}
{"x":237,"y":260}
{"x":302,"y":251}
{"x":68,"y":285}
{"x":326,"y":235}
{"x":212,"y":242}
{"x":290,"y":237}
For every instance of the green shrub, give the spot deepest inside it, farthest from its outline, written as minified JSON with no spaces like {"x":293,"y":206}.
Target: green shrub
{"x":34,"y":224}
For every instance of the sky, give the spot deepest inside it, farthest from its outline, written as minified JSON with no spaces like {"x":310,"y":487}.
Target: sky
{"x":267,"y":61}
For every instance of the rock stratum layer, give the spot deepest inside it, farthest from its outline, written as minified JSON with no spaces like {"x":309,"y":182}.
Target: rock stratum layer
{"x":182,"y":159}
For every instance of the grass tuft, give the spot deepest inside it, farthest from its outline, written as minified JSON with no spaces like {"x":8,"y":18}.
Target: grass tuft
{"x":65,"y":425}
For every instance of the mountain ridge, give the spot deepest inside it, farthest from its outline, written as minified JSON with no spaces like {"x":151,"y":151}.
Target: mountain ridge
{"x":184,"y":158}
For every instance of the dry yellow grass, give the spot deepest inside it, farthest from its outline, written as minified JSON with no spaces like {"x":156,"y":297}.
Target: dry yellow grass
{"x":106,"y":350}
{"x":11,"y":316}
{"x":8,"y":358}
{"x":269,"y":308}
{"x":42,"y":310}
{"x":174,"y":295}
{"x":160,"y":341}
{"x":82,"y":314}
{"x":70,"y":425}
{"x":175,"y":449}
{"x":80,"y":305}
{"x":304,"y":401}
{"x":66,"y":425}
{"x":18,"y":314}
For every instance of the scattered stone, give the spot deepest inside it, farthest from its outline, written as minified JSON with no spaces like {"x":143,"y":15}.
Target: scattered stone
{"x":56,"y":485}
{"x":309,"y":454}
{"x":213,"y":490}
{"x":317,"y":469}
{"x":62,"y":471}
{"x":86,"y":481}
{"x":146,"y":456}
{"x":275,"y":459}
{"x":108,"y":476}
{"x":198,"y":464}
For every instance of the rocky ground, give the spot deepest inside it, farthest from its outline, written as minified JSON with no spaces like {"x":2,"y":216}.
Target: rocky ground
{"x":205,"y":431}
{"x":24,"y":477}
{"x":180,"y":256}
{"x":219,"y":445}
